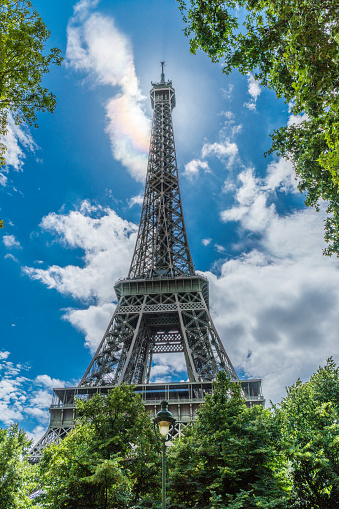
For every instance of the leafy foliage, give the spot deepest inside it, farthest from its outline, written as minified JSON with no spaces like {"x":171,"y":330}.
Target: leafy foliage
{"x":16,"y":475}
{"x":231,"y":457}
{"x":309,"y":422}
{"x":110,"y":460}
{"x":292,"y":46}
{"x":227,"y":458}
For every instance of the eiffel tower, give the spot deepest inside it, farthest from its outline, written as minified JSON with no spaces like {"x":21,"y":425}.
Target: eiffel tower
{"x":163,"y":305}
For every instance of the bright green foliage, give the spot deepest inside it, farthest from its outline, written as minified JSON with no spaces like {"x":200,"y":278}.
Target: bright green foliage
{"x":227,"y":458}
{"x":111,"y":459}
{"x":292,"y":46}
{"x":23,"y":35}
{"x":309,"y":421}
{"x":16,"y":474}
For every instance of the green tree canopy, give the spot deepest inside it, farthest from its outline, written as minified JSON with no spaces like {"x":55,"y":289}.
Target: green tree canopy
{"x":292,"y":46}
{"x":231,"y":457}
{"x":227,"y":458}
{"x":308,"y":418}
{"x":16,"y":474}
{"x":110,"y":461}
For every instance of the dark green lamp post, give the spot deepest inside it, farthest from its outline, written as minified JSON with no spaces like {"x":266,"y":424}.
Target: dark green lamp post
{"x":165,"y":420}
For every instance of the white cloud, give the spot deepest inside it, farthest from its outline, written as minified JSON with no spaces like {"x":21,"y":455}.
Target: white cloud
{"x":92,"y":322}
{"x":21,"y":396}
{"x":282,"y":296}
{"x":282,"y":302}
{"x":136,"y":200}
{"x":167,"y":365}
{"x":254,"y":90}
{"x":227,"y":92}
{"x":38,"y":413}
{"x":226,"y":150}
{"x":17,"y":140}
{"x":296,"y":119}
{"x":227,"y":114}
{"x":206,"y":242}
{"x":253,"y":87}
{"x":97,"y":47}
{"x":253,"y":194}
{"x":36,"y":434}
{"x":251,"y":206}
{"x":250,"y":105}
{"x":12,"y":394}
{"x":108,"y":243}
{"x":49,"y":382}
{"x":219,"y":248}
{"x":193,"y":168}
{"x":11,"y":241}
{"x":229,"y":185}
{"x":9,"y":256}
{"x":3,"y":180}
{"x":41,"y":399}
{"x":281,"y":175}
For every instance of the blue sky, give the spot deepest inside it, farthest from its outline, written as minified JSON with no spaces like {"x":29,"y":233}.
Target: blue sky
{"x":70,"y":199}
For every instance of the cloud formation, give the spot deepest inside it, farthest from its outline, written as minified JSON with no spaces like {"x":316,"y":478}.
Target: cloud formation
{"x":225,"y":149}
{"x":96,"y":46}
{"x":107,"y":242}
{"x":136,"y":200}
{"x":21,"y":396}
{"x":3,"y":179}
{"x":92,"y":322}
{"x":275,"y":305}
{"x":10,"y":241}
{"x":18,"y":141}
{"x":192,"y":169}
{"x":254,"y":90}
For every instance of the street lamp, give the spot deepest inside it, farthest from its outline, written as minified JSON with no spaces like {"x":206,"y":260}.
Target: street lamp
{"x":165,"y":421}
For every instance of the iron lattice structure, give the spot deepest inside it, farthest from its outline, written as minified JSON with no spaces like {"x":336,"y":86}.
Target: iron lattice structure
{"x":163,"y":306}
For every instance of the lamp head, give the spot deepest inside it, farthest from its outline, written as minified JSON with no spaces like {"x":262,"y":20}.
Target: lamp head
{"x":164,"y":419}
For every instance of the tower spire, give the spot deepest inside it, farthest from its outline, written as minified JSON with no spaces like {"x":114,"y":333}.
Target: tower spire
{"x":162,"y":79}
{"x":162,"y":247}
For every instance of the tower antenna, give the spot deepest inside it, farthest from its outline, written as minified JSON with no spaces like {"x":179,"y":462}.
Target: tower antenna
{"x":162,"y":80}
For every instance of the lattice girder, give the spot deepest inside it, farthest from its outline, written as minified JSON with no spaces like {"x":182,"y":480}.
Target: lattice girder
{"x":162,"y":246}
{"x":152,"y":317}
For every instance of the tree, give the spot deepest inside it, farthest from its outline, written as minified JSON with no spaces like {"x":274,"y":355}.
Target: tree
{"x":227,"y":457}
{"x":308,"y":418}
{"x":292,"y":46}
{"x":110,"y":460}
{"x":23,"y":35}
{"x":16,"y":474}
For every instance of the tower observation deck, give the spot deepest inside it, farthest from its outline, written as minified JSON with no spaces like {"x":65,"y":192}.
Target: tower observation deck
{"x":163,"y":305}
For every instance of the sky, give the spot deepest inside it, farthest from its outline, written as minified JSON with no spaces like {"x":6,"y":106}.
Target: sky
{"x":71,"y":198}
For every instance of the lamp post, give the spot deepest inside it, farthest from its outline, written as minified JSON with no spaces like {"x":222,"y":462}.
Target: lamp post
{"x":165,"y":421}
